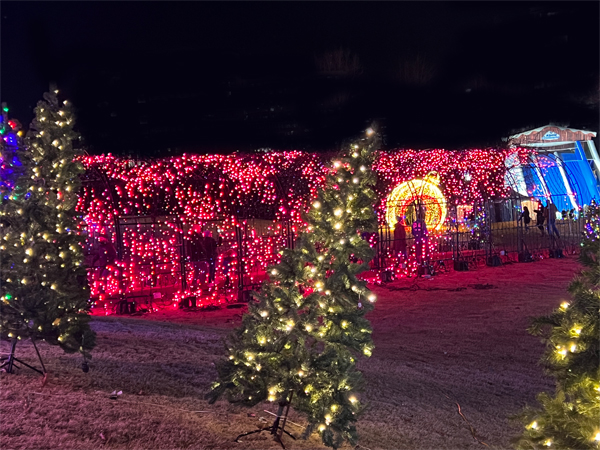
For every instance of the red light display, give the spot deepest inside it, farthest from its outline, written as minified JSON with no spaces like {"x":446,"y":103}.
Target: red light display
{"x":142,"y":217}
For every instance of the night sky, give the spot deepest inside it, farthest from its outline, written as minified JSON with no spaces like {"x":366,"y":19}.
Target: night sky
{"x":153,"y":78}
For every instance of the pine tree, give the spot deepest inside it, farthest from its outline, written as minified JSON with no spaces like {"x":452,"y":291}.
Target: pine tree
{"x":299,"y":342}
{"x":43,"y":281}
{"x":571,"y":418}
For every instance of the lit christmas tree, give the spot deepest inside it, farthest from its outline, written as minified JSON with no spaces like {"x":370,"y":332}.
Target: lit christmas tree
{"x":571,"y":418}
{"x":591,"y":228}
{"x":300,"y":339}
{"x":43,"y":282}
{"x":10,"y":165}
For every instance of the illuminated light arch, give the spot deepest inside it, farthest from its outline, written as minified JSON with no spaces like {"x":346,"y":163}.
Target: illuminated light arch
{"x":424,"y":190}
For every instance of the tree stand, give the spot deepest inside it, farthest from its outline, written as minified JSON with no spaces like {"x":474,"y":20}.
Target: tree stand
{"x":9,"y":361}
{"x":276,"y":430}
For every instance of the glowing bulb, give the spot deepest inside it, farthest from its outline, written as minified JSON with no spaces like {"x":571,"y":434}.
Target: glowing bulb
{"x":317,"y":205}
{"x":337,"y":212}
{"x":308,"y":328}
{"x":337,"y":226}
{"x":353,"y":399}
{"x":372,"y":298}
{"x":264,"y":313}
{"x":564,"y":305}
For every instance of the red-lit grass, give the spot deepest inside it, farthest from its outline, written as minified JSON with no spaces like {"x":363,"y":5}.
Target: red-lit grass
{"x":435,"y":347}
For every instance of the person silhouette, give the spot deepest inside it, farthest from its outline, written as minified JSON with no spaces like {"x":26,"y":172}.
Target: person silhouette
{"x":551,"y":224}
{"x":525,"y":217}
{"x":399,"y":246}
{"x":420,"y":234}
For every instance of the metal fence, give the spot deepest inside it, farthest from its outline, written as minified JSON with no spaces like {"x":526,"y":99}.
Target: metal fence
{"x":490,"y":233}
{"x":147,"y":261}
{"x":152,"y":260}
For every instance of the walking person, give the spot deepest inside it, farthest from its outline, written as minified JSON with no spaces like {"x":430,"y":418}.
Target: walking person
{"x":540,"y":217}
{"x":551,"y":224}
{"x":525,"y":217}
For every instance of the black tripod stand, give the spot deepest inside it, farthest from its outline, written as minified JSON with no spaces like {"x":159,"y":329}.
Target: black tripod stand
{"x":276,"y":430}
{"x":8,"y":362}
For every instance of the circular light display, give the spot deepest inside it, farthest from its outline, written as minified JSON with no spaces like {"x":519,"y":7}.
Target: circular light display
{"x":412,"y":194}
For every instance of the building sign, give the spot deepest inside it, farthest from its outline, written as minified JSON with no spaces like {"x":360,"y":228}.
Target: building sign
{"x":550,"y":136}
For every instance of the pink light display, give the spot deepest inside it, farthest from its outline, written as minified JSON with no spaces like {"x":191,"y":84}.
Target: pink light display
{"x":141,"y":216}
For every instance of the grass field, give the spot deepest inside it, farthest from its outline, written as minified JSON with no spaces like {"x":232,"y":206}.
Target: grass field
{"x":440,"y":343}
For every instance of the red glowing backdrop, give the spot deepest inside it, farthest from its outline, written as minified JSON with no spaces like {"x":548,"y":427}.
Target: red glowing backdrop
{"x":142,"y":216}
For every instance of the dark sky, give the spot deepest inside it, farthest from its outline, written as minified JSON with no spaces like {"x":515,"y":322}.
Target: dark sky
{"x":506,"y":47}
